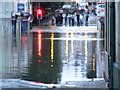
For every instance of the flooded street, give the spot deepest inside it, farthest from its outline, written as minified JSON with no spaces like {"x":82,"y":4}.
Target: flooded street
{"x":65,"y":44}
{"x":56,"y":56}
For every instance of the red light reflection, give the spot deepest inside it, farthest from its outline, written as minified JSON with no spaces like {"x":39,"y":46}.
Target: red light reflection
{"x":24,"y":39}
{"x":38,"y":82}
{"x":39,"y":61}
{"x":39,"y":43}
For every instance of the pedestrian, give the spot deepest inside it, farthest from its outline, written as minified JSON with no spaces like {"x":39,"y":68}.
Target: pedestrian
{"x":82,"y":19}
{"x":53,"y":21}
{"x":72,"y":21}
{"x":14,"y":21}
{"x":78,"y":17}
{"x":61,"y":19}
{"x":30,"y":19}
{"x":66,"y":18}
{"x":87,"y":16}
{"x":69,"y":21}
{"x":57,"y":19}
{"x":78,"y":20}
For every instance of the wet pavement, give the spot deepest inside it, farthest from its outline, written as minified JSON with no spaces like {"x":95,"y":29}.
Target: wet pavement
{"x":60,"y":57}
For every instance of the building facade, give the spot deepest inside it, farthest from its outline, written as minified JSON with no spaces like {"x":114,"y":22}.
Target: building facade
{"x":116,"y":65}
{"x":7,"y":8}
{"x":112,"y":45}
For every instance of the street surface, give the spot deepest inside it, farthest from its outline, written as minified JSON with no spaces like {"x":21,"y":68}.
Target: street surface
{"x":58,"y":56}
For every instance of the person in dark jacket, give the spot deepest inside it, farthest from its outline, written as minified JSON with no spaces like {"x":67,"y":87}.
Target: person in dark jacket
{"x":73,"y":21}
{"x":61,"y":19}
{"x":66,"y":19}
{"x":87,"y":16}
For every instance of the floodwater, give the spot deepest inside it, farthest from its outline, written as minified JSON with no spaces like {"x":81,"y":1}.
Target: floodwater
{"x":54,"y":56}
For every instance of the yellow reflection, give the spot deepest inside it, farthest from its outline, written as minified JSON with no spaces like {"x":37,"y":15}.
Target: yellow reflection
{"x":39,"y":43}
{"x":72,"y":44}
{"x":52,"y":47}
{"x":67,"y":45}
{"x":86,"y":48}
{"x":93,"y":62}
{"x":93,"y":55}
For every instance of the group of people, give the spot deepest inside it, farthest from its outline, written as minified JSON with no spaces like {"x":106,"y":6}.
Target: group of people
{"x":75,"y":19}
{"x":66,"y":20}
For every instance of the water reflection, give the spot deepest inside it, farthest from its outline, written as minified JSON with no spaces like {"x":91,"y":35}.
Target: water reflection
{"x":57,"y":59}
{"x":72,"y":43}
{"x":52,"y":47}
{"x":42,"y":56}
{"x":67,"y":46}
{"x":39,"y":43}
{"x":91,"y":65}
{"x":44,"y":64}
{"x":86,"y":49}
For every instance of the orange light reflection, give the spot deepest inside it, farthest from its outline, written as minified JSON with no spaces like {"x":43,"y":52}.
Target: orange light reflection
{"x":39,"y":43}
